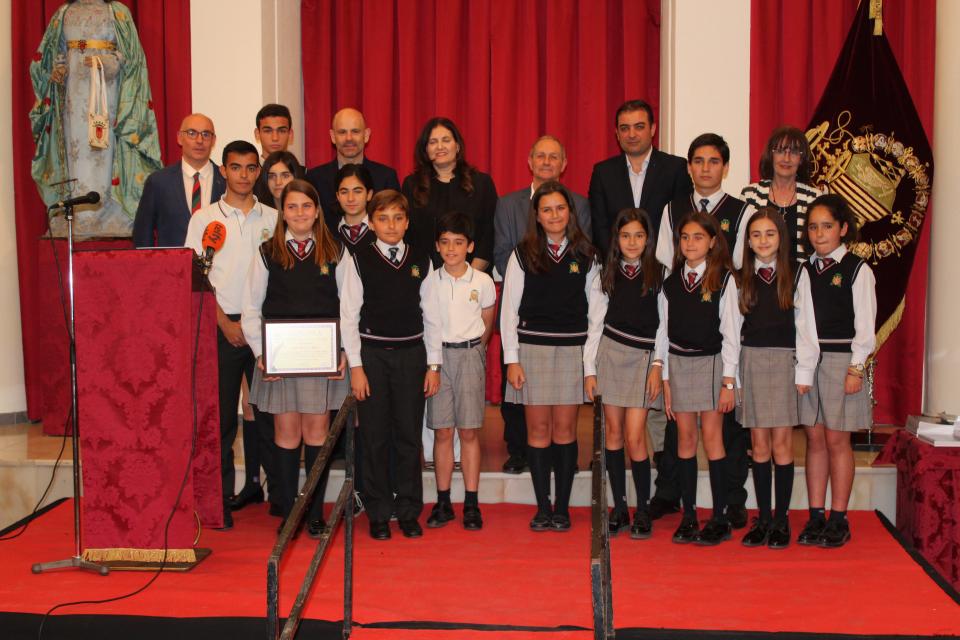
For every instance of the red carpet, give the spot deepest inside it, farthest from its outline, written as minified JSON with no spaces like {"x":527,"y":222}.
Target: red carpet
{"x":506,"y":577}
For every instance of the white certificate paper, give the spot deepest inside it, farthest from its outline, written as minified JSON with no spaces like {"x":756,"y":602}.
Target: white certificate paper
{"x":301,"y":347}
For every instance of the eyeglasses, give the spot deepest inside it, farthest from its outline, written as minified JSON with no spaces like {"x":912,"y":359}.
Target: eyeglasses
{"x":193,"y":133}
{"x":788,"y":151}
{"x":277,"y":177}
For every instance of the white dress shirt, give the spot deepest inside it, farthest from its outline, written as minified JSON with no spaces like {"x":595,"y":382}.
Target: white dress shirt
{"x":596,"y":319}
{"x":637,"y":178}
{"x":864,"y":314}
{"x":245,"y":233}
{"x":729,"y":310}
{"x":513,"y":281}
{"x":206,"y":183}
{"x":255,"y":292}
{"x":460,"y":302}
{"x":351,"y":302}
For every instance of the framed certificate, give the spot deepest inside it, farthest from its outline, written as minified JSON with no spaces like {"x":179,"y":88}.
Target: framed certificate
{"x":302,"y":347}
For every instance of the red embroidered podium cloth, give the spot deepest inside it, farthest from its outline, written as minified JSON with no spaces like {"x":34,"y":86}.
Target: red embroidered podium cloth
{"x":136,"y":327}
{"x":928,"y":506}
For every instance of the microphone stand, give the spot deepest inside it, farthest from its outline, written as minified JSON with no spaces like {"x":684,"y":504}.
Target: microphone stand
{"x":76,"y":561}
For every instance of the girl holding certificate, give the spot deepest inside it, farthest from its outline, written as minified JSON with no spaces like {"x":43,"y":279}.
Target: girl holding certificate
{"x":298,"y":274}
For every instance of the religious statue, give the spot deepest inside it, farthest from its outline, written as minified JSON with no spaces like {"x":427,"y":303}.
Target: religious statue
{"x":83,"y":144}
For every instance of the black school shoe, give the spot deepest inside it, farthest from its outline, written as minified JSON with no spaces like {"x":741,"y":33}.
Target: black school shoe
{"x":541,"y":521}
{"x":779,"y":537}
{"x":835,"y":534}
{"x":687,"y":531}
{"x":642,"y":527}
{"x":316,"y":527}
{"x":410,"y":528}
{"x":560,"y":522}
{"x":737,"y":515}
{"x":810,"y":535}
{"x":758,"y":535}
{"x":515,"y":464}
{"x":714,"y":532}
{"x":250,"y":494}
{"x":380,"y":530}
{"x":618,"y":520}
{"x":660,"y":508}
{"x":471,"y":517}
{"x":440,"y":515}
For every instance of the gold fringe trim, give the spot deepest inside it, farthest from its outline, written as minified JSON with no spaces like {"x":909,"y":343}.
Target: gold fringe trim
{"x":889,"y":326}
{"x":139,"y":555}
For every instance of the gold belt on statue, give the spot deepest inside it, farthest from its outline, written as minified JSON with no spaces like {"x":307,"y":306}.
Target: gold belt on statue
{"x":105,"y":45}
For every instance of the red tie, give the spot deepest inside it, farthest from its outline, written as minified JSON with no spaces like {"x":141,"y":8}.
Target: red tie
{"x":630,"y":269}
{"x":825,"y":263}
{"x":302,"y":247}
{"x":554,"y":249}
{"x":354,"y":230}
{"x":195,"y":194}
{"x":692,"y":278}
{"x":766,"y":273}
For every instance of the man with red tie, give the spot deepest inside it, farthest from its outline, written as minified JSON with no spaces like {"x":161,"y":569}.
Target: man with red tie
{"x":172,"y":194}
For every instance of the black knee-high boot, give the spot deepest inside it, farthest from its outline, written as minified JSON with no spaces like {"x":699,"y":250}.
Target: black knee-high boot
{"x":617,"y":472}
{"x":539,"y":460}
{"x":564,"y":469}
{"x":310,"y":455}
{"x":288,"y":468}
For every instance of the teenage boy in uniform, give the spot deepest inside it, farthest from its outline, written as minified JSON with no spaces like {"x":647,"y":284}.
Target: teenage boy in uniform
{"x":466,"y":299}
{"x":392,"y":338}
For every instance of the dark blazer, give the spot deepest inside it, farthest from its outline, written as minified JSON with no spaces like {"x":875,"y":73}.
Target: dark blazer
{"x":510,"y":223}
{"x":322,"y":177}
{"x":163,"y":214}
{"x":610,"y":191}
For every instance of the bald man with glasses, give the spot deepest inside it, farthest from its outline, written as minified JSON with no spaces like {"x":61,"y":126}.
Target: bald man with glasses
{"x":172,"y":194}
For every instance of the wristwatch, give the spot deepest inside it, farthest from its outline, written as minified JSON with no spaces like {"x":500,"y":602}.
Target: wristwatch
{"x":434,"y":367}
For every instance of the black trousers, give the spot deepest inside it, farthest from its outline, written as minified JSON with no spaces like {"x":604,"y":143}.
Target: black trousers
{"x":391,"y":419}
{"x":514,"y":419}
{"x":232,"y":363}
{"x":736,"y":442}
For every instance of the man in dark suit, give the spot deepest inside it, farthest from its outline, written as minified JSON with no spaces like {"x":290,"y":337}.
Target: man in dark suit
{"x":547,"y":161}
{"x":172,"y":194}
{"x":646,"y":178}
{"x":641,"y":176}
{"x":349,"y":134}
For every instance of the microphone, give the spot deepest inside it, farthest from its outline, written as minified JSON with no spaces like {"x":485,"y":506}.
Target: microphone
{"x":91,"y":198}
{"x":213,"y":238}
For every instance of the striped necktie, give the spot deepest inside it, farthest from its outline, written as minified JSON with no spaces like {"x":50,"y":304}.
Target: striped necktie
{"x":703,"y":205}
{"x":195,"y":194}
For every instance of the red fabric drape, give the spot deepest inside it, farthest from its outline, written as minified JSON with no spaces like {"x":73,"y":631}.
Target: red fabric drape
{"x":794,"y":45}
{"x":506,"y":71}
{"x":164,"y":28}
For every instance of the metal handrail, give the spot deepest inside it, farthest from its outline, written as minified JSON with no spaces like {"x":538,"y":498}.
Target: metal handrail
{"x":343,"y":507}
{"x":601,"y":587}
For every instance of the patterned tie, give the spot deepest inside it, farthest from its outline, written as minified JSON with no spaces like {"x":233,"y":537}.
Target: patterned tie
{"x":302,"y":247}
{"x":393,"y":255}
{"x":825,"y":263}
{"x":692,"y":278}
{"x":195,"y":194}
{"x":630,"y":269}
{"x":554,"y":249}
{"x":703,"y":205}
{"x":354,"y":230}
{"x":766,"y":273}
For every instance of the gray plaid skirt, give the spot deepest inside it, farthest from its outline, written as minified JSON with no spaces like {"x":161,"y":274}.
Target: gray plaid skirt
{"x":827,"y":404}
{"x":554,"y":375}
{"x":769,"y":395}
{"x":695,"y":382}
{"x":301,"y":394}
{"x":622,"y":375}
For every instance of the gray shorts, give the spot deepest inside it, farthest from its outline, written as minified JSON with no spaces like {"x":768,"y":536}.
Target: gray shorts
{"x":459,"y":402}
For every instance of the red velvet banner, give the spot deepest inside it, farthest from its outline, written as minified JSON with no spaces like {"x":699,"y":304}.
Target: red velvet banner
{"x":136,"y":332}
{"x":793,"y":49}
{"x":164,"y":29}
{"x":506,"y":71}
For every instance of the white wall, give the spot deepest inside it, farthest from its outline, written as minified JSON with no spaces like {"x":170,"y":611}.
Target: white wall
{"x":705,"y":79}
{"x":12,"y":394}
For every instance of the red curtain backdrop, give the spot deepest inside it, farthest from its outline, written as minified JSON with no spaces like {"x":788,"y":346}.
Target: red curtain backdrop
{"x":164,"y":28}
{"x":794,"y":45}
{"x":506,"y":71}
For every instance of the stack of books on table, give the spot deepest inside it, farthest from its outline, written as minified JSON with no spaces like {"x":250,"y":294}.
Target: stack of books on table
{"x":940,"y":431}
